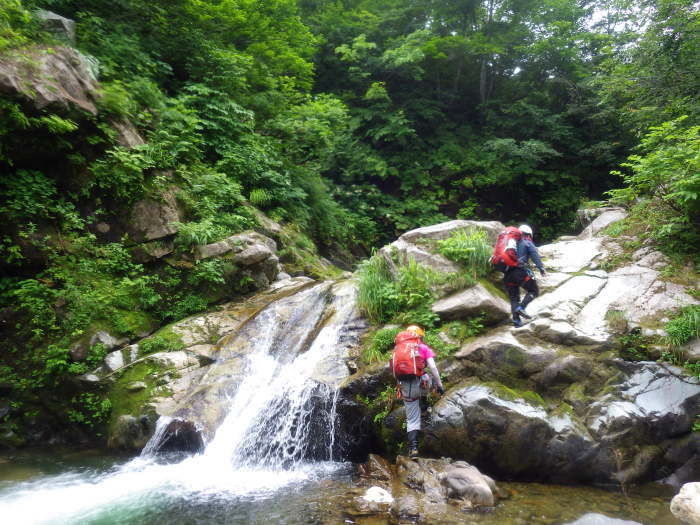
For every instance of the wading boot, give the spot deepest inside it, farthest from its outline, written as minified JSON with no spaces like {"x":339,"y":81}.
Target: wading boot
{"x":521,"y":311}
{"x":413,"y":444}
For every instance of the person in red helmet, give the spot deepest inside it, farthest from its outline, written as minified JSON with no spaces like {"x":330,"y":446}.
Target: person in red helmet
{"x":408,"y":362}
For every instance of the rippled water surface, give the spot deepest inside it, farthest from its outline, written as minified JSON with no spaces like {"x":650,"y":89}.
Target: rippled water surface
{"x":320,"y":494}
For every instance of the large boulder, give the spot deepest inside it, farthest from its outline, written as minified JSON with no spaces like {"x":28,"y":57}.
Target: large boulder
{"x":624,"y":433}
{"x":649,"y":403}
{"x":509,"y":435}
{"x":686,"y":504}
{"x":607,"y":217}
{"x":60,"y":77}
{"x":472,"y":302}
{"x":444,"y":230}
{"x":420,"y":244}
{"x":501,"y":355}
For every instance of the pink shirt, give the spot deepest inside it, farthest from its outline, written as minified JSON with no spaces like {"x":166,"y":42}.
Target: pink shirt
{"x":425,"y":351}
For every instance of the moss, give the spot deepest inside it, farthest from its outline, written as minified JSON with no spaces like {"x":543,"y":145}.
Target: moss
{"x":563,"y":409}
{"x":134,"y":403}
{"x":164,"y":340}
{"x":133,"y":323}
{"x":300,"y":256}
{"x":511,"y":394}
{"x":493,"y":289}
{"x":575,"y":394}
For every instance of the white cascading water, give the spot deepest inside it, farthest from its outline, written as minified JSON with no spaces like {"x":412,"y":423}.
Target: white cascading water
{"x":280,"y":414}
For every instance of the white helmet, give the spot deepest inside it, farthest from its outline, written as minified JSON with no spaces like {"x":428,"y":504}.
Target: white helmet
{"x":525,"y":229}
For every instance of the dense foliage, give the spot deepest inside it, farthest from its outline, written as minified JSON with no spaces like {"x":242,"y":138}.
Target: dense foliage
{"x":347,"y":121}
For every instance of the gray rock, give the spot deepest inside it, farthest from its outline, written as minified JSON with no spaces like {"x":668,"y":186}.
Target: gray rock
{"x":651,"y":403}
{"x":691,"y":351}
{"x":110,"y":342}
{"x":686,"y":504}
{"x":464,"y":481}
{"x":503,"y":356}
{"x":90,"y":379}
{"x":61,"y":78}
{"x":445,"y":229}
{"x":130,"y":433}
{"x":244,"y":249}
{"x":80,"y":349}
{"x":426,"y":488}
{"x":178,"y":360}
{"x":586,"y":216}
{"x":472,"y":302}
{"x":127,"y":134}
{"x":152,"y":251}
{"x":61,"y":27}
{"x":600,"y":519}
{"x":519,"y":438}
{"x":639,"y":292}
{"x":266,"y":225}
{"x":136,"y":386}
{"x":571,"y":256}
{"x":403,"y":251}
{"x":603,"y":220}
{"x":114,"y":361}
{"x":565,"y":370}
{"x":154,"y":219}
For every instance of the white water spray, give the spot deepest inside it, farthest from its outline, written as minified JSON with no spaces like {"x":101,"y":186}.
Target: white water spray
{"x":281,"y":414}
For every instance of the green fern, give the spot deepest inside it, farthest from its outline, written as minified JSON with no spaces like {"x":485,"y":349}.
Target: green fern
{"x":260,"y":197}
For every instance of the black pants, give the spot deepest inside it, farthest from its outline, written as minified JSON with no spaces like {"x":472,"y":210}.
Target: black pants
{"x":512,"y":281}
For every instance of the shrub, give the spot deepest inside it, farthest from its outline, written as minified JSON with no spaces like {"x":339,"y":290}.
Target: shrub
{"x":405,"y":299}
{"x":376,"y":294}
{"x":382,"y":343}
{"x":684,"y":327}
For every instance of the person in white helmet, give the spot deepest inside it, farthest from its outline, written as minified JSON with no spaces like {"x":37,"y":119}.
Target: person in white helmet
{"x":523,"y":277}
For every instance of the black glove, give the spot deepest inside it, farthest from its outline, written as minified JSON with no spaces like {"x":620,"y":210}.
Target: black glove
{"x":441,"y":390}
{"x":542,"y":272}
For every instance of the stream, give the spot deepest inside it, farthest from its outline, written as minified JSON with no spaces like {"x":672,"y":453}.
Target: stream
{"x":273,"y":457}
{"x":91,"y":488}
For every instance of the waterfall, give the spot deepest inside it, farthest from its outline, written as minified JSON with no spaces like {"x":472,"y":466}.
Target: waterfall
{"x":276,"y":428}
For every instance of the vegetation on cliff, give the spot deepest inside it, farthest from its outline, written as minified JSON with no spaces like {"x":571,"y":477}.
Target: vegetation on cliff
{"x":347,"y":122}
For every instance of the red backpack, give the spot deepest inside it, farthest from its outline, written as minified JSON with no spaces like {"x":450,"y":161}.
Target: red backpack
{"x":406,"y":360}
{"x":505,"y":253}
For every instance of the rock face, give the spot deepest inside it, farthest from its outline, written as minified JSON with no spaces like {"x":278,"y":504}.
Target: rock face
{"x":553,"y":400}
{"x":686,"y":504}
{"x":252,"y":251}
{"x":193,"y":379}
{"x":63,"y":78}
{"x":153,"y":219}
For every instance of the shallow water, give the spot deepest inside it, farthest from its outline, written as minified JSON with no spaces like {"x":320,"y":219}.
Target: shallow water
{"x":41,"y":487}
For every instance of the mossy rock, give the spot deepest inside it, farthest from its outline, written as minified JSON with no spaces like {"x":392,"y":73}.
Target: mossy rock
{"x":136,"y":403}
